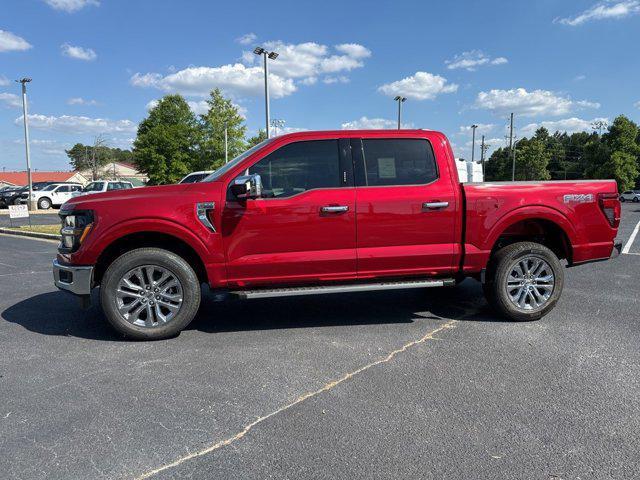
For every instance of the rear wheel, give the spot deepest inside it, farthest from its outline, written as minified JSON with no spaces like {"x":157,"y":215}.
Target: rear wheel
{"x":622,"y":199}
{"x":44,"y":203}
{"x":636,"y":199}
{"x":524,"y":281}
{"x":150,"y":294}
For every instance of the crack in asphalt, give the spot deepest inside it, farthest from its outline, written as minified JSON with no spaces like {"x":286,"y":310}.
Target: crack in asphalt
{"x":328,"y":386}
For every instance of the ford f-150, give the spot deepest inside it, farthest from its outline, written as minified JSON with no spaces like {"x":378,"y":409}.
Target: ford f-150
{"x":330,"y":212}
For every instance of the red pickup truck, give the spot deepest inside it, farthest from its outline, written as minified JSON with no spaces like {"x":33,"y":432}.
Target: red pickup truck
{"x":330,"y":212}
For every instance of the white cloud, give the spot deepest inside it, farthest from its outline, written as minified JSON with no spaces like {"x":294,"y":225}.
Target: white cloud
{"x":79,"y":53}
{"x":11,"y":42}
{"x":353,"y":50}
{"x":78,"y":124}
{"x":4,"y":81}
{"x":529,"y":104}
{"x":365,"y":123}
{"x":232,"y":79}
{"x":420,"y":86}
{"x":10,"y":100}
{"x":71,"y":6}
{"x":637,"y":104}
{"x":579,"y":78}
{"x":473,"y":59}
{"x":608,"y":9}
{"x":339,"y":79}
{"x":309,"y":81}
{"x":81,"y":101}
{"x":483,"y":129}
{"x":569,"y":125}
{"x":247,"y":39}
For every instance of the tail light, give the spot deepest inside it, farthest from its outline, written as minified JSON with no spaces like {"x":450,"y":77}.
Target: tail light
{"x":610,"y":206}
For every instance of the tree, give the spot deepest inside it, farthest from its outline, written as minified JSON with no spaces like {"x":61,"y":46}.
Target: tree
{"x":622,"y":167}
{"x":255,"y":140}
{"x":90,"y":157}
{"x":167,"y":145}
{"x":498,"y":166}
{"x":532,"y":159}
{"x":222,"y":114}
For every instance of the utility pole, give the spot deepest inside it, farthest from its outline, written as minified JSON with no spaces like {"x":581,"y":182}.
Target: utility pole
{"x":226,"y":144}
{"x":483,"y":149}
{"x":473,"y":142}
{"x":24,"y":81}
{"x":511,"y":132}
{"x":513,"y":161}
{"x":266,"y":56}
{"x":400,"y":99}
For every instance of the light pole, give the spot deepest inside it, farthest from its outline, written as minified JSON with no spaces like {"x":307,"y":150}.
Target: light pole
{"x":513,"y":161}
{"x":473,"y":142}
{"x":226,"y":144}
{"x":277,"y":123}
{"x":24,"y":82}
{"x":266,"y":55}
{"x":400,"y":99}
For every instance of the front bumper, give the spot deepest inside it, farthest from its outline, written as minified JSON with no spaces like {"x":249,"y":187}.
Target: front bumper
{"x":73,"y":278}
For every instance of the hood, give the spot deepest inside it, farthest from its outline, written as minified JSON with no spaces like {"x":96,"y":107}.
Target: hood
{"x":131,"y":195}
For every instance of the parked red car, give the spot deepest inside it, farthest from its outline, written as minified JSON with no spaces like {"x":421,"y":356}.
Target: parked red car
{"x":330,"y":212}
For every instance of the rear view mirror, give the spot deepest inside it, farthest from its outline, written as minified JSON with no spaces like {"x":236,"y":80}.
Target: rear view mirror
{"x":247,"y":187}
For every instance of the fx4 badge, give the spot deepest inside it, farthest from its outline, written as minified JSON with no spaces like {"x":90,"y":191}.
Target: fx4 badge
{"x":579,"y":198}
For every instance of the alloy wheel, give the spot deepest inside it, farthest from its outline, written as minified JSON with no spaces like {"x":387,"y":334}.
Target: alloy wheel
{"x":530,"y":283}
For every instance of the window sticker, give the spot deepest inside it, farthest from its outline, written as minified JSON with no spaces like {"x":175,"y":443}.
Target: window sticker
{"x":387,"y":167}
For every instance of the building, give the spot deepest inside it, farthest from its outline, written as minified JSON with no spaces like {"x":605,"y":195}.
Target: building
{"x":112,"y":171}
{"x":18,"y":179}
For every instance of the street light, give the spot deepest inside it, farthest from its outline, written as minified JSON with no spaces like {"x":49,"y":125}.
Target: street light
{"x":473,"y":142}
{"x":272,"y":56}
{"x":24,"y":81}
{"x":277,"y":123}
{"x":400,"y":99}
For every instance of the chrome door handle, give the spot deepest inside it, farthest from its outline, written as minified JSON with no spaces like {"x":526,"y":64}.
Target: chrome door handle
{"x":434,"y":205}
{"x":334,"y":209}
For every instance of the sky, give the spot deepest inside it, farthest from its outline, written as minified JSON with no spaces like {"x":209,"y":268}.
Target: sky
{"x":98,"y":65}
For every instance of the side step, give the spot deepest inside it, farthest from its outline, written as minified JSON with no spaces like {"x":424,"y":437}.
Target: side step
{"x":354,"y":287}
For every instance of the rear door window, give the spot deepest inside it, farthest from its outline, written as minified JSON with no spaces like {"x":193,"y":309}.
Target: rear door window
{"x":402,"y":161}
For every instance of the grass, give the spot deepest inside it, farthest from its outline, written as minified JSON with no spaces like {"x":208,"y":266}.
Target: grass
{"x":54,"y":229}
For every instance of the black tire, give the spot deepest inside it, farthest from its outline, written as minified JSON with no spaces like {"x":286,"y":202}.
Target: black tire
{"x":174,"y":264}
{"x":499,"y":269}
{"x":622,"y":199}
{"x":635,"y":200}
{"x":44,"y":203}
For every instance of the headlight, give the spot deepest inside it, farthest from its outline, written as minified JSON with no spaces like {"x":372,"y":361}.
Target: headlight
{"x":76,"y":225}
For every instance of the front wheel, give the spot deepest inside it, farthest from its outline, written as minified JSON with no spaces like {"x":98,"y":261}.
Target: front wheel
{"x":525,"y":280}
{"x":636,"y":199}
{"x":150,"y":294}
{"x":44,"y":204}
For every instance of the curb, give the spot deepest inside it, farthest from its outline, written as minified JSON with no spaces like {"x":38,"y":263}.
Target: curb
{"x":22,"y":233}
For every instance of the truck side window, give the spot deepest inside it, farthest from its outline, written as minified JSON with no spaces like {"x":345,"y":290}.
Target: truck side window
{"x":403,"y":161}
{"x":298,"y":167}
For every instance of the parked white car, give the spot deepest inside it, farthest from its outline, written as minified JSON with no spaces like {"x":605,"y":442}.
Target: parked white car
{"x":100,"y":186}
{"x":52,"y":195}
{"x":195,"y":177}
{"x":630,"y":196}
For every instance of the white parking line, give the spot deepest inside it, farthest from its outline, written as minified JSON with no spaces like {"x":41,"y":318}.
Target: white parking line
{"x":627,"y":247}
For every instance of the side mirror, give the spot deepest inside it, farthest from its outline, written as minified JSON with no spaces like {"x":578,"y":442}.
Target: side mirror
{"x":247,"y":187}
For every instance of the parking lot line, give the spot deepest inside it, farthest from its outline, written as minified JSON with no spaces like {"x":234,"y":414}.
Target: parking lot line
{"x":328,"y":386}
{"x":627,"y":247}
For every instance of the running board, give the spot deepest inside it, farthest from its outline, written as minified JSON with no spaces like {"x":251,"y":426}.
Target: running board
{"x":354,"y":287}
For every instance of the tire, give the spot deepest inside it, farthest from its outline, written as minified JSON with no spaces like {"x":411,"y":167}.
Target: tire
{"x":529,"y":296}
{"x":44,"y":203}
{"x":142,"y":267}
{"x":622,"y":199}
{"x":635,"y":200}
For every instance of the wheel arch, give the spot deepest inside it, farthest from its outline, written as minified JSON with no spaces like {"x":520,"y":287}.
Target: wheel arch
{"x":149,"y":239}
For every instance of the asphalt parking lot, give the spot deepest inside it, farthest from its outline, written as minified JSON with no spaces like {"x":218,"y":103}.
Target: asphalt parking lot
{"x":400,"y":384}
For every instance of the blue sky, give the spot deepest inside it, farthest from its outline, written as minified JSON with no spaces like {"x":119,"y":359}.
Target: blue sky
{"x":98,"y":64}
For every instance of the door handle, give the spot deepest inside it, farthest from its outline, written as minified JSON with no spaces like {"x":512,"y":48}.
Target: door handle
{"x":334,"y":209}
{"x":434,"y":205}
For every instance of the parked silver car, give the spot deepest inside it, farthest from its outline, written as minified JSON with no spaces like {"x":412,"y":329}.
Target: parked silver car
{"x":630,"y":196}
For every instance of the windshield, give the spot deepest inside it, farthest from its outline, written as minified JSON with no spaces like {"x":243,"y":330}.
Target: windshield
{"x":94,"y":187}
{"x":225,"y":168}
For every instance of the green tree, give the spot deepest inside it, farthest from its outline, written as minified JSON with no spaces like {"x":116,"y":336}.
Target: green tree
{"x":256,"y":139}
{"x":222,"y":114}
{"x":622,"y":167}
{"x":532,"y":159}
{"x":167,"y":145}
{"x":498,"y":166}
